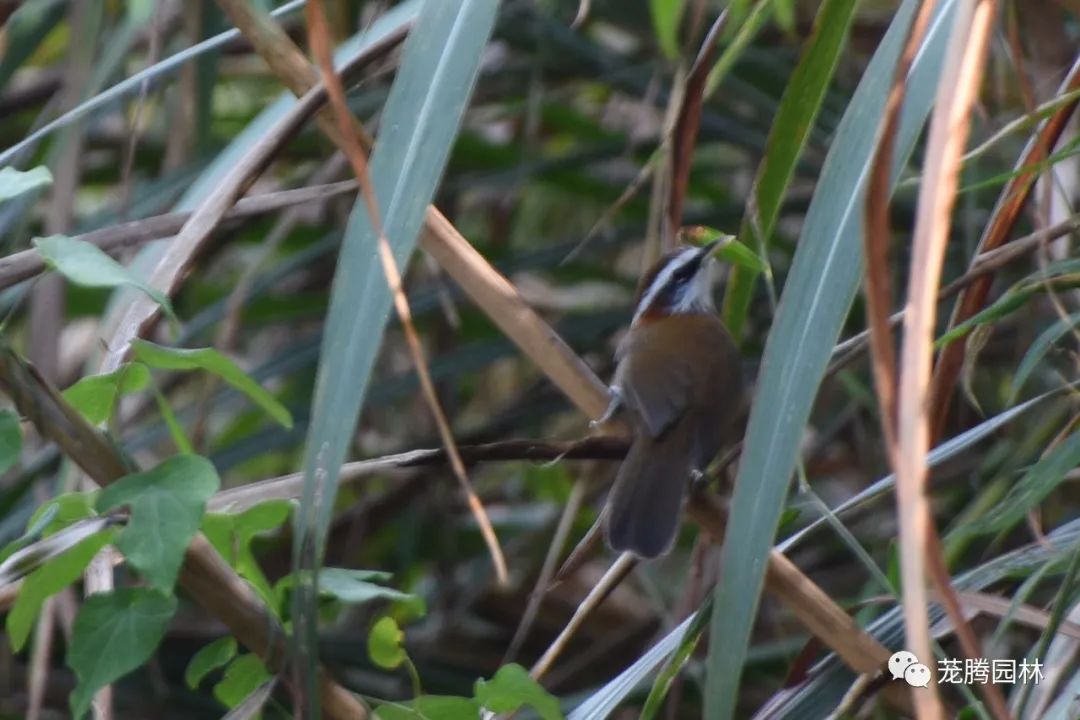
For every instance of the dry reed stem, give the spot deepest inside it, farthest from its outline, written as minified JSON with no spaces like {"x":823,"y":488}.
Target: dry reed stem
{"x":1005,"y":215}
{"x":957,"y":91}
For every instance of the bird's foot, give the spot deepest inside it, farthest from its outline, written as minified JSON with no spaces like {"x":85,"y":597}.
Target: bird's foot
{"x":612,"y":408}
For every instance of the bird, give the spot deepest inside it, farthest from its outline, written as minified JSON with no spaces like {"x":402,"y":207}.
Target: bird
{"x":678,"y":384}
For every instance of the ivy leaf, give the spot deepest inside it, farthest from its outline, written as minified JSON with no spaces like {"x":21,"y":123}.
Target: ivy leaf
{"x":95,"y":397}
{"x":232,"y":535}
{"x":167,"y":504}
{"x":352,"y":587}
{"x":16,"y":182}
{"x":87,"y":265}
{"x":243,"y":676}
{"x":385,"y":644}
{"x":431,"y":707}
{"x":210,"y":360}
{"x":115,"y":633}
{"x":511,"y":688}
{"x":10,"y":439}
{"x":209,"y":658}
{"x":47,"y":580}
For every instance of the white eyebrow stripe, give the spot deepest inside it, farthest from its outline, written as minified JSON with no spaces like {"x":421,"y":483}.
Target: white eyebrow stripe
{"x":662,"y":278}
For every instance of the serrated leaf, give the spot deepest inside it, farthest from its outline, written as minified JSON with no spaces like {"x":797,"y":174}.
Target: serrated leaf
{"x":209,"y":658}
{"x":48,"y":580}
{"x":95,"y":396}
{"x":10,"y":439}
{"x":243,"y":676}
{"x":87,"y":265}
{"x":512,"y":688}
{"x":14,"y":183}
{"x":385,"y":643}
{"x":211,"y":361}
{"x":167,"y":504}
{"x":115,"y":633}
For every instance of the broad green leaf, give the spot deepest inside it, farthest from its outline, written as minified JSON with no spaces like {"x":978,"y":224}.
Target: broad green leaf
{"x":87,"y":265}
{"x":512,"y":688}
{"x":815,"y":301}
{"x":243,"y":676}
{"x":14,"y":183}
{"x":353,"y":587}
{"x":385,"y":643}
{"x":1038,"y":482}
{"x":209,"y":658}
{"x":1038,"y":351}
{"x":10,"y":439}
{"x":431,"y":707}
{"x":115,"y":633}
{"x":64,"y":510}
{"x":95,"y":396}
{"x":794,"y":120}
{"x":48,"y":580}
{"x":250,"y":706}
{"x":211,"y":361}
{"x":232,"y":535}
{"x":665,"y":18}
{"x":418,"y":125}
{"x":167,"y":505}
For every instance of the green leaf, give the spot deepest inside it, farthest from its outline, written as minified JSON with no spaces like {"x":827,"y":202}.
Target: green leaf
{"x":10,"y":439}
{"x":167,"y":505}
{"x":794,"y":120}
{"x":209,"y":658}
{"x":64,"y":510}
{"x":675,"y":665}
{"x":232,"y":536}
{"x":665,"y":18}
{"x":419,"y":123}
{"x":210,"y":360}
{"x":243,"y":676}
{"x":115,"y":633}
{"x":1038,"y":482}
{"x":818,"y":293}
{"x":385,"y":643}
{"x":352,"y":587}
{"x":1038,"y":350}
{"x":512,"y":688}
{"x":87,"y":265}
{"x":431,"y":707}
{"x":14,"y":183}
{"x":95,"y":396}
{"x":48,"y":580}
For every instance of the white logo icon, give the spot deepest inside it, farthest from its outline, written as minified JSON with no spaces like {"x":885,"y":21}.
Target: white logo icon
{"x":900,"y":661}
{"x":917,"y":675}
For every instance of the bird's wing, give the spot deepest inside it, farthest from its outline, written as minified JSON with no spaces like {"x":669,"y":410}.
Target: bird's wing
{"x":657,"y":386}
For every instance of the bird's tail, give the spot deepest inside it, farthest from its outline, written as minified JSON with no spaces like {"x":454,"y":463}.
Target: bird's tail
{"x":645,"y":504}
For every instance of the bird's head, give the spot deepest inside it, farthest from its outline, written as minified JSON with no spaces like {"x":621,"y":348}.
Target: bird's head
{"x":681,"y":282}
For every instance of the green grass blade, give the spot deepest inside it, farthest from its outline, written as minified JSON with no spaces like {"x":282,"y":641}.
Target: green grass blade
{"x":816,"y":298}
{"x":794,"y":120}
{"x":439,"y":67}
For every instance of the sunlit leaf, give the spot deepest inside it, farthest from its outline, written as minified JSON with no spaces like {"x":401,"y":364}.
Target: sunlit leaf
{"x":95,"y":396}
{"x":512,"y":688}
{"x":385,"y":643}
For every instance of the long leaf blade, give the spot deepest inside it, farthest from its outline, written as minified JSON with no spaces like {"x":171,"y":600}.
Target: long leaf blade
{"x":819,"y":291}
